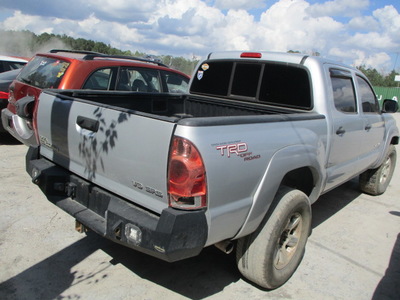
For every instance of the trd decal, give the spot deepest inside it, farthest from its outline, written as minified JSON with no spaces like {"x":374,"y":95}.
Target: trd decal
{"x":239,"y":148}
{"x":232,"y":149}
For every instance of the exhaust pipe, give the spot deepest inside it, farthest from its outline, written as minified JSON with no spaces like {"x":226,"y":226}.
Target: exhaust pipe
{"x":225,"y":246}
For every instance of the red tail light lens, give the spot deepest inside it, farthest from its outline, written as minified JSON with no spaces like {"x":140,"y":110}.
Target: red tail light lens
{"x":250,"y":55}
{"x":187,"y":186}
{"x":3,"y":95}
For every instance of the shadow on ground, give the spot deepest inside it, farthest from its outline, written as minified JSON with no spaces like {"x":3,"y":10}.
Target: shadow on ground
{"x":195,"y":278}
{"x":389,"y":286}
{"x":7,"y":139}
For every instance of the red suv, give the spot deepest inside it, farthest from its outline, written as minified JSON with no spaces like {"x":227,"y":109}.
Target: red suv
{"x":64,"y":69}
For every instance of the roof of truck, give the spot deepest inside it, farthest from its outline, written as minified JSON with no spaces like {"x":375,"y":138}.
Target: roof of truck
{"x":295,"y":58}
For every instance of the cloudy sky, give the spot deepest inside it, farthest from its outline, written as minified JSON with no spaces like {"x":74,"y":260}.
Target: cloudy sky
{"x":358,"y":32}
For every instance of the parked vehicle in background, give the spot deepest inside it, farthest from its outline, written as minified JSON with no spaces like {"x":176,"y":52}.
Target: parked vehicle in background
{"x":8,"y":63}
{"x":237,"y":161}
{"x":6,"y":78}
{"x":67,"y":69}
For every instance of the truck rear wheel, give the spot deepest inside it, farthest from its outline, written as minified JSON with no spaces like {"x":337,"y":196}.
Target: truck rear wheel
{"x":376,"y":181}
{"x":270,"y":255}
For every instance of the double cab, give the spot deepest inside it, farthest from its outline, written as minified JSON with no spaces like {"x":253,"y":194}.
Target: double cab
{"x":236,"y":162}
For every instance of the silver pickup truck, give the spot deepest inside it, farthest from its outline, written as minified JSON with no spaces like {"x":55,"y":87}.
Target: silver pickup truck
{"x":235,"y":163}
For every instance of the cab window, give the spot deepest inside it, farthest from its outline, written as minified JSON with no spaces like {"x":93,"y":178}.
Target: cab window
{"x":176,"y":83}
{"x":99,"y":80}
{"x":367,"y":96}
{"x":138,"y":80}
{"x":343,"y":91}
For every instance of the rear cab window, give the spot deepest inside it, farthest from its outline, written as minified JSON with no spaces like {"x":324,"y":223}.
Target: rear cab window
{"x":44,"y":72}
{"x":263,"y":82}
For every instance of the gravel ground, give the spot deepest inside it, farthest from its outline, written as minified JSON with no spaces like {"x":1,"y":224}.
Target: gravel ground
{"x":353,"y":252}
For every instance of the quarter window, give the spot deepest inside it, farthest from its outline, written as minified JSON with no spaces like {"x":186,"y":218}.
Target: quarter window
{"x":176,"y":83}
{"x":99,"y":80}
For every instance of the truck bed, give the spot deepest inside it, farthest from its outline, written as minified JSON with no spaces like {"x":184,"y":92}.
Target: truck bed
{"x":174,"y":106}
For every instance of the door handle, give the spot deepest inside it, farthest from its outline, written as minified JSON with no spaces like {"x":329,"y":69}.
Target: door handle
{"x":340,"y":131}
{"x":368,"y":127}
{"x":89,"y":124}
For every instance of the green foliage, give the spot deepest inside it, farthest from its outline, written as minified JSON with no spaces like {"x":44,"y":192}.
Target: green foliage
{"x":377,"y":79}
{"x":26,"y":43}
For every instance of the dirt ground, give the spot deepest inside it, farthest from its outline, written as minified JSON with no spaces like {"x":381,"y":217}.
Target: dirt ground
{"x":353,"y":251}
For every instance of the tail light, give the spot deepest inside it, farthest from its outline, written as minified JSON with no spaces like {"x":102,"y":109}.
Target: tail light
{"x":3,"y":95}
{"x":187,"y":186}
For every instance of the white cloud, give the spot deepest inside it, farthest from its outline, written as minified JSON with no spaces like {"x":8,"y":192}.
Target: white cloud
{"x":366,"y":23}
{"x":379,"y":61}
{"x":371,"y":40}
{"x":239,"y":4}
{"x":389,"y":20}
{"x":338,"y":8}
{"x":288,"y":26}
{"x":187,"y":27}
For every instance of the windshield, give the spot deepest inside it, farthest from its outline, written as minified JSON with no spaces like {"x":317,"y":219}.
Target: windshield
{"x":43,"y":72}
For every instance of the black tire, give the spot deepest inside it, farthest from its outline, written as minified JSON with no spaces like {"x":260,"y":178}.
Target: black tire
{"x":376,"y":181}
{"x":270,"y":255}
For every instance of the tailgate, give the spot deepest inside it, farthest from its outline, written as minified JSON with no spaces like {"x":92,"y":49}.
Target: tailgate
{"x":121,"y":151}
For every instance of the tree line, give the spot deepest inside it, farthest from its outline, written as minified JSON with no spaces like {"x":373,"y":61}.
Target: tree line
{"x":27,"y":43}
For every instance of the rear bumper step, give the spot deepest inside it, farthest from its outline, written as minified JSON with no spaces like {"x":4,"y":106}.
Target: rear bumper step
{"x":172,"y":236}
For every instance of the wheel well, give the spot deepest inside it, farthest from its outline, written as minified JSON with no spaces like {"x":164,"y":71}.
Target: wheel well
{"x":301,"y":179}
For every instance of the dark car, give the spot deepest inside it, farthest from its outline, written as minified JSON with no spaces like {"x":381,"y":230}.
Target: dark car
{"x":8,"y":63}
{"x":67,"y":69}
{"x":6,"y":78}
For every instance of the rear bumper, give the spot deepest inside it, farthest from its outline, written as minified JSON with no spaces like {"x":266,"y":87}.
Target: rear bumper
{"x":174,"y":235}
{"x":18,"y":128}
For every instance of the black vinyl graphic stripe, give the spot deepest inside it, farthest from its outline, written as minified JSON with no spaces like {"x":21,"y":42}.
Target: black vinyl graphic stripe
{"x":59,"y":131}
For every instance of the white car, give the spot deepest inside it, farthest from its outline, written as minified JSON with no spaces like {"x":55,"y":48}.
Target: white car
{"x":8,"y":63}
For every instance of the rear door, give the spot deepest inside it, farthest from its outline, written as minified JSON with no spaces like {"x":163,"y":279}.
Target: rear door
{"x":123,"y":152}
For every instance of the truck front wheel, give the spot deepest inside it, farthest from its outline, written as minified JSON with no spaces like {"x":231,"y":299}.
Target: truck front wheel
{"x":270,"y":255}
{"x":375,"y":181}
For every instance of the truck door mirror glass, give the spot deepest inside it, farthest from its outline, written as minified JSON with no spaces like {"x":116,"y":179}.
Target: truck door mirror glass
{"x":390,"y":106}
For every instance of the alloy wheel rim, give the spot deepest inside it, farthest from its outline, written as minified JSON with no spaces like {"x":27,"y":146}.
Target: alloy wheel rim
{"x":385,"y":170}
{"x":288,"y":241}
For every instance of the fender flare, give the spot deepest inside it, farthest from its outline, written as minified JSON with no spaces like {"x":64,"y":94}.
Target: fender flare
{"x":392,"y":132}
{"x":298,"y":156}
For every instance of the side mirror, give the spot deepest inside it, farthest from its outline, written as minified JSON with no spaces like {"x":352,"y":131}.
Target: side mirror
{"x":390,"y":106}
